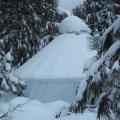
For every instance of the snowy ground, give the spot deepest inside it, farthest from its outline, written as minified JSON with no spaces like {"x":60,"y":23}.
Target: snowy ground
{"x":26,"y":109}
{"x":85,"y":116}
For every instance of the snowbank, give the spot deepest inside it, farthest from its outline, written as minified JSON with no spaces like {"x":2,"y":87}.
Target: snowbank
{"x":32,"y":111}
{"x":56,"y":106}
{"x":73,"y":24}
{"x":87,"y":115}
{"x":22,"y":108}
{"x":26,"y":109}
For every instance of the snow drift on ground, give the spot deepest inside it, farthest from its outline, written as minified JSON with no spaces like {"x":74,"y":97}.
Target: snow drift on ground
{"x":31,"y":110}
{"x":87,"y":115}
{"x":63,"y":58}
{"x":26,"y":109}
{"x":56,"y":106}
{"x":73,"y":24}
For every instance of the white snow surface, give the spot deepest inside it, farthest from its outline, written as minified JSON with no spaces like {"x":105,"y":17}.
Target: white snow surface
{"x":22,"y":108}
{"x":93,"y":70}
{"x":81,"y":90}
{"x":115,"y":27}
{"x":116,"y":66}
{"x":73,"y":24}
{"x":87,"y":115}
{"x":34,"y":110}
{"x":26,"y":109}
{"x":56,"y":106}
{"x":8,"y":56}
{"x":63,"y":58}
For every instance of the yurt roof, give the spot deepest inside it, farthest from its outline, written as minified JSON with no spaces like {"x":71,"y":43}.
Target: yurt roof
{"x":63,"y":58}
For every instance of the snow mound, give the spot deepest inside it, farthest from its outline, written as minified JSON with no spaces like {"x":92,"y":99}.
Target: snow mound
{"x":22,"y":108}
{"x":73,"y":24}
{"x":30,"y":110}
{"x":87,"y":115}
{"x":56,"y":106}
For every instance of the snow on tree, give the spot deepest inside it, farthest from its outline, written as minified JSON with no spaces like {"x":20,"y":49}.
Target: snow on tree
{"x":98,"y":14}
{"x":103,"y":76}
{"x":22,"y":26}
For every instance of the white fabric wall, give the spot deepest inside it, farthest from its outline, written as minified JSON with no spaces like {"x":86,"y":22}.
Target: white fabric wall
{"x":52,"y":91}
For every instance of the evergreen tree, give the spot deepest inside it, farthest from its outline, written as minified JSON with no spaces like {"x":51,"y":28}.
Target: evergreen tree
{"x":22,"y":26}
{"x":102,"y":77}
{"x":97,"y":14}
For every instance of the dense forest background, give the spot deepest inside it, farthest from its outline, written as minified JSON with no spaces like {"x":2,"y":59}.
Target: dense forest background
{"x":23,"y":26}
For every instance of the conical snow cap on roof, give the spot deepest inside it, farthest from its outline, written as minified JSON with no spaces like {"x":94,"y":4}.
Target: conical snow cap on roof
{"x":63,"y":58}
{"x":73,"y":24}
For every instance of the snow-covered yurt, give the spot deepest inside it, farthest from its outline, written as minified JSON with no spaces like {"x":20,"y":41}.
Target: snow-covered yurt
{"x":55,"y":72}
